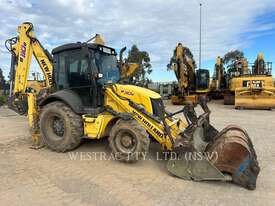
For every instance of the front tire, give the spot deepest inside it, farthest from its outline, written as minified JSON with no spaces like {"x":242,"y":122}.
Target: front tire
{"x":128,"y":141}
{"x":61,"y":128}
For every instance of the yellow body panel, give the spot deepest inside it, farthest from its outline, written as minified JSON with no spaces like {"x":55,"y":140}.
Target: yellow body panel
{"x":263,"y":98}
{"x":255,"y":92}
{"x":182,"y":100}
{"x":255,"y":102}
{"x":23,"y":50}
{"x":96,"y":127}
{"x":139,"y":95}
{"x":202,"y":91}
{"x":117,"y":97}
{"x":237,"y":82}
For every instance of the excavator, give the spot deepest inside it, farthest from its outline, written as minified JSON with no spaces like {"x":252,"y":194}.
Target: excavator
{"x":83,"y":98}
{"x":218,"y":83}
{"x":191,"y":83}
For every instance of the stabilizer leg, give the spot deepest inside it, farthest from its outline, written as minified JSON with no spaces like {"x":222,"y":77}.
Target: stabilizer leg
{"x":33,"y":117}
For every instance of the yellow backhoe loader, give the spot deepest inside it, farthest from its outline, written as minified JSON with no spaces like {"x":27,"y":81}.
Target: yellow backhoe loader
{"x":84,"y":99}
{"x":191,"y":83}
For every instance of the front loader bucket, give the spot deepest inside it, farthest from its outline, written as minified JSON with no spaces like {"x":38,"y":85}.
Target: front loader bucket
{"x":203,"y":153}
{"x":191,"y":169}
{"x":230,"y":157}
{"x":235,"y":156}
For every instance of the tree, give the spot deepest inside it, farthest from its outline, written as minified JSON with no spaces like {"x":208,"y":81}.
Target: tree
{"x":143,"y":59}
{"x":2,"y":80}
{"x":230,"y":57}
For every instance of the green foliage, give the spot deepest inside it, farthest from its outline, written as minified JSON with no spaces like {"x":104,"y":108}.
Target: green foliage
{"x":2,"y":79}
{"x":3,"y":100}
{"x":143,"y":59}
{"x":3,"y":88}
{"x":230,"y":57}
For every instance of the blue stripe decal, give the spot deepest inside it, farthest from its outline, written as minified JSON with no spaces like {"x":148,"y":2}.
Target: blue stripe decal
{"x":242,"y":167}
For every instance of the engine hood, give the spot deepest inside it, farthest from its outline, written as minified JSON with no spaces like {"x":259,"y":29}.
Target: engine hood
{"x":138,"y":95}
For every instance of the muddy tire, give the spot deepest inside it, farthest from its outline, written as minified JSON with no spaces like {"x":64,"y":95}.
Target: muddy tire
{"x":129,"y":142}
{"x":61,"y":129}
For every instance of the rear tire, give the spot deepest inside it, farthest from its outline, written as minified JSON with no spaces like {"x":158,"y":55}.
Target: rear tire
{"x":61,"y":128}
{"x":128,"y":140}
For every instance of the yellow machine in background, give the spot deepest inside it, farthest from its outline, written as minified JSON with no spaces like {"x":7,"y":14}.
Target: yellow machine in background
{"x":127,"y":70}
{"x":36,"y":83}
{"x":255,"y":91}
{"x":218,"y":84}
{"x":234,"y":73}
{"x":83,"y":98}
{"x":250,"y":88}
{"x":191,"y":83}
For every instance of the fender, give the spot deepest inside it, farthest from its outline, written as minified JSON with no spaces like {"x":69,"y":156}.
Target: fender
{"x":69,"y":97}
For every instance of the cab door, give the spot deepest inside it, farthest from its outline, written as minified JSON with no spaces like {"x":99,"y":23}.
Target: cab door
{"x":74,"y":72}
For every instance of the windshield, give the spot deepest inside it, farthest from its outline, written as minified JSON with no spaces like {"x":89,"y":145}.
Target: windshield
{"x":107,"y":65}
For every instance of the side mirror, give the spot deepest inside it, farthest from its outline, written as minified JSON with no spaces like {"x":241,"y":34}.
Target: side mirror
{"x":99,"y":75}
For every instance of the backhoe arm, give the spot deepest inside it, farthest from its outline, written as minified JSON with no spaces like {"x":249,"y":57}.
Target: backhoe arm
{"x":22,"y":100}
{"x":22,"y":48}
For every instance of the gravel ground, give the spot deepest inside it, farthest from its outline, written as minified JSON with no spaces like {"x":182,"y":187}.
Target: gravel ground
{"x":42,"y":177}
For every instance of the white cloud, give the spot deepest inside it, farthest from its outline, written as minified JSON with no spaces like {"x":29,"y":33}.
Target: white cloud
{"x":155,"y":25}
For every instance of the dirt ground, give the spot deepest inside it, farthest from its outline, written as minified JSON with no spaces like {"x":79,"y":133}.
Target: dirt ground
{"x":42,"y":177}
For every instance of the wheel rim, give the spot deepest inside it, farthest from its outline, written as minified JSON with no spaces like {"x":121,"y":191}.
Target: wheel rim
{"x":54,"y":126}
{"x":126,"y":141}
{"x":57,"y":126}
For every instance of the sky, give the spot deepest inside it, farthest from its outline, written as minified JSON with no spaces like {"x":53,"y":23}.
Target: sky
{"x":156,"y":26}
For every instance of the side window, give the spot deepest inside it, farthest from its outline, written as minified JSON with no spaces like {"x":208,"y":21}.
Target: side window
{"x":73,"y":65}
{"x":73,"y":70}
{"x":84,"y":66}
{"x":60,"y":76}
{"x":78,"y":70}
{"x":62,"y":72}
